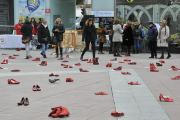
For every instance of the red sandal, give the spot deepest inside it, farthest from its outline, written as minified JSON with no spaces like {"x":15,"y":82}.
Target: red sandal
{"x":167,"y":99}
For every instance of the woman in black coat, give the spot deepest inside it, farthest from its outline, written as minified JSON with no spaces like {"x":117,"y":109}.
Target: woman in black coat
{"x":89,"y":35}
{"x":44,"y":37}
{"x":128,"y":39}
{"x":58,"y":31}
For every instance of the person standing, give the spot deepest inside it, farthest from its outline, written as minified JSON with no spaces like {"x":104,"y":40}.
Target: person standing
{"x":111,"y":35}
{"x":152,"y":39}
{"x":128,"y":39}
{"x":137,"y":31}
{"x":34,"y":24}
{"x":27,"y":35}
{"x":141,"y":40}
{"x":18,"y":27}
{"x":163,"y":35}
{"x":117,"y":37}
{"x":44,"y":37}
{"x":89,"y":35}
{"x":102,"y":31}
{"x":58,"y":31}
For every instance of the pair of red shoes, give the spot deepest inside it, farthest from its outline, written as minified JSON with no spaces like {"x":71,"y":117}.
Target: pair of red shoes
{"x":56,"y":75}
{"x":12,"y":81}
{"x":84,"y":60}
{"x":176,"y":78}
{"x":174,"y":68}
{"x":16,"y":70}
{"x":118,"y":68}
{"x":69,"y":80}
{"x":109,"y":65}
{"x":132,"y":63}
{"x":126,"y":73}
{"x":134,"y":83}
{"x":153,"y":68}
{"x":158,"y":64}
{"x":116,"y":114}
{"x":11,"y":57}
{"x":36,"y":59}
{"x":90,"y":61}
{"x":115,"y":59}
{"x":166,"y":98}
{"x":127,"y":59}
{"x":59,"y":112}
{"x":101,"y":93}
{"x":36,"y":88}
{"x":78,"y":64}
{"x":43,"y":63}
{"x":81,"y":70}
{"x":5,"y":61}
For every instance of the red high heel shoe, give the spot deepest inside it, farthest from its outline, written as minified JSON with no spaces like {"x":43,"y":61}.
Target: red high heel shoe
{"x":161,"y":61}
{"x":36,"y":59}
{"x":115,"y":59}
{"x":167,"y":99}
{"x":15,"y":55}
{"x":127,"y":59}
{"x":70,"y":66}
{"x":107,"y":65}
{"x":22,"y":101}
{"x":153,"y":70}
{"x":69,"y":80}
{"x":90,"y":61}
{"x":4,"y":62}
{"x":116,"y":114}
{"x":12,"y":81}
{"x":134,"y":83}
{"x":174,"y":68}
{"x":158,"y":64}
{"x":101,"y":93}
{"x":119,"y":68}
{"x":132,"y":63}
{"x":175,"y":78}
{"x":16,"y":70}
{"x":78,"y":64}
{"x":124,"y":73}
{"x":10,"y":57}
{"x":43,"y":63}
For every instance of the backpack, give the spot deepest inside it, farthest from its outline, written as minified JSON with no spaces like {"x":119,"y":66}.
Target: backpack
{"x":137,"y":31}
{"x":143,"y":33}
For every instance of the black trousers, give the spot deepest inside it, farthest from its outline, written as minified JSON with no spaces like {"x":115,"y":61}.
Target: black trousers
{"x":129,"y":49}
{"x":116,"y":48}
{"x":167,"y":49}
{"x":87,"y":48}
{"x":111,"y":46}
{"x":153,"y":46}
{"x":101,"y":46}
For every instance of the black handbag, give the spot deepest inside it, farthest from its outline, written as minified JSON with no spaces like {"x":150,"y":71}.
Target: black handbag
{"x":53,"y":40}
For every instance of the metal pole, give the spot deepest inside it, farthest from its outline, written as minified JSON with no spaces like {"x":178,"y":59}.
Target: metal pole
{"x":84,"y":7}
{"x":115,"y":9}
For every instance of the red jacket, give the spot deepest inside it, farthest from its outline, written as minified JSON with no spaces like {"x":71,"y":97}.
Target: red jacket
{"x":34,"y":31}
{"x":18,"y":30}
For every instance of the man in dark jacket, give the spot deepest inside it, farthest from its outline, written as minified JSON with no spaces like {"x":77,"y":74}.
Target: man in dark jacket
{"x":152,"y":38}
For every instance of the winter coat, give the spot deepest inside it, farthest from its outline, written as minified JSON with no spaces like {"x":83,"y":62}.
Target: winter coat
{"x":128,"y":38}
{"x":59,"y":34}
{"x":111,"y":28}
{"x":89,"y":34}
{"x":163,"y":36}
{"x":136,"y":24}
{"x":18,"y":30}
{"x":27,"y":30}
{"x":117,"y":37}
{"x":43,"y":32}
{"x":102,"y":33}
{"x":152,"y":33}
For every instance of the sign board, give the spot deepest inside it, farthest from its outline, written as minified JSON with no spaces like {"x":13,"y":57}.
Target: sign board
{"x":4,"y":5}
{"x":103,"y":13}
{"x":47,"y":11}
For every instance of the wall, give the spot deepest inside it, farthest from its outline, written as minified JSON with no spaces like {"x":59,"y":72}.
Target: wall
{"x":102,"y":5}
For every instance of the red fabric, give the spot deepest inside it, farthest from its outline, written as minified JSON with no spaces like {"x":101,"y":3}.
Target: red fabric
{"x":34,"y":31}
{"x":127,"y":26}
{"x":18,"y":30}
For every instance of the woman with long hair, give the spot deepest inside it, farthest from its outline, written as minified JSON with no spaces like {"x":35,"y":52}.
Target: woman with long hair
{"x":89,"y":35}
{"x":58,"y":31}
{"x":34,"y":24}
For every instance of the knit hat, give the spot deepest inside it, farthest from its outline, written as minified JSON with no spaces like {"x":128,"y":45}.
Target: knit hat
{"x":150,"y":22}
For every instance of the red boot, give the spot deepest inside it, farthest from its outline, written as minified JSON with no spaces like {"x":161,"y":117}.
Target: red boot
{"x":18,"y":49}
{"x":69,"y":80}
{"x":43,"y":63}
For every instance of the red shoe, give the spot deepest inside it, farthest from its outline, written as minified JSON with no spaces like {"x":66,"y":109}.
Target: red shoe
{"x":30,"y":56}
{"x":37,"y":59}
{"x":53,"y":112}
{"x":65,"y":61}
{"x":38,"y":88}
{"x":134,"y":83}
{"x":81,"y":70}
{"x":107,"y":65}
{"x":95,"y":61}
{"x":67,"y":56}
{"x":34,"y":88}
{"x":167,"y":99}
{"x":90,"y":61}
{"x":58,"y":111}
{"x":158,"y":64}
{"x":16,"y":70}
{"x":66,"y":66}
{"x":1,"y":68}
{"x":115,"y":59}
{"x":110,"y":64}
{"x":175,"y":78}
{"x":50,"y":75}
{"x":84,"y":60}
{"x":152,"y":66}
{"x":12,"y":81}
{"x":15,"y":55}
{"x":43,"y":63}
{"x":120,"y":62}
{"x":62,"y":64}
{"x":4,"y":62}
{"x":174,"y":68}
{"x":4,"y":54}
{"x":132,"y":63}
{"x":64,"y":112}
{"x":78,"y":64}
{"x":127,"y":59}
{"x":161,"y":61}
{"x":101,"y":93}
{"x":69,"y":80}
{"x":10,"y":57}
{"x":129,"y":73}
{"x":18,"y":49}
{"x":124,"y":73}
{"x":116,"y":114}
{"x":119,"y":68}
{"x":70,"y":66}
{"x":56,"y":75}
{"x":153,"y":70}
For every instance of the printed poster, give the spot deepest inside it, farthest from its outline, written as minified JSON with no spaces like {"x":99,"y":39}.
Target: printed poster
{"x":31,"y":8}
{"x":2,"y":39}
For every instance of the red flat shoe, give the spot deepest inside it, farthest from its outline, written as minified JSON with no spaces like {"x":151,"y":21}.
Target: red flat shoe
{"x":116,"y":114}
{"x":4,"y":62}
{"x":120,"y":62}
{"x":15,"y":55}
{"x":16,"y":70}
{"x":10,"y":57}
{"x":101,"y":93}
{"x":167,"y":99}
{"x":78,"y":64}
{"x":115,"y":59}
{"x":51,"y":74}
{"x":34,"y":88}
{"x":38,"y":88}
{"x":69,"y":80}
{"x":65,"y":61}
{"x":12,"y":81}
{"x":119,"y":68}
{"x":37,"y":59}
{"x":90,"y":61}
{"x":84,"y":60}
{"x":174,"y":68}
{"x":161,"y":61}
{"x":134,"y":83}
{"x":66,"y":66}
{"x":1,"y":68}
{"x":132,"y":63}
{"x":127,"y":59}
{"x":124,"y":73}
{"x":153,"y":70}
{"x":158,"y":64}
{"x":129,"y":73}
{"x":175,"y":78}
{"x":43,"y":63}
{"x":56,"y":75}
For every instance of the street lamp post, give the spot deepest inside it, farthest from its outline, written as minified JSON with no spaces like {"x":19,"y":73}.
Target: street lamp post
{"x":115,"y":9}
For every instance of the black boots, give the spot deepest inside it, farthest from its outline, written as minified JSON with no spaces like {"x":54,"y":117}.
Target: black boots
{"x":44,"y":56}
{"x":61,"y":52}
{"x":57,"y":54}
{"x":27,"y":57}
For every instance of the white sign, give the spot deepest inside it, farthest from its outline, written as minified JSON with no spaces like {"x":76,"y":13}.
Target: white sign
{"x":2,"y":39}
{"x":103,"y":13}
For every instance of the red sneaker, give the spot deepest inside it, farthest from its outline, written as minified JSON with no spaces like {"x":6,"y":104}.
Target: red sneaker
{"x":134,"y":83}
{"x":15,"y":55}
{"x":69,"y":80}
{"x":78,"y":64}
{"x":16,"y":70}
{"x":119,"y":68}
{"x":4,"y":62}
{"x":12,"y":81}
{"x":101,"y":93}
{"x":10,"y":57}
{"x":115,"y":59}
{"x":37,"y":59}
{"x":43,"y":63}
{"x":127,"y":59}
{"x":116,"y":114}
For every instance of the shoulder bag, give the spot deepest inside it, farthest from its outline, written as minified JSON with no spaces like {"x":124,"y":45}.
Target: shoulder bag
{"x":169,"y":39}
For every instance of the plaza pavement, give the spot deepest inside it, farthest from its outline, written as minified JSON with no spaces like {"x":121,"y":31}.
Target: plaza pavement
{"x":140,"y":102}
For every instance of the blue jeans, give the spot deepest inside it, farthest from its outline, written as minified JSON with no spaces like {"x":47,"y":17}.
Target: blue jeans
{"x":44,"y":48}
{"x":136,"y":44}
{"x":140,"y":44}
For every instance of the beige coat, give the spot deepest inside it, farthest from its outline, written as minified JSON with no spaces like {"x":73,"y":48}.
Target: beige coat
{"x":117,"y":37}
{"x":163,"y":36}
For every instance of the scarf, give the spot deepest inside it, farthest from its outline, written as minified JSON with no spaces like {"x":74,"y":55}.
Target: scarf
{"x":44,"y":25}
{"x":127,"y":26}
